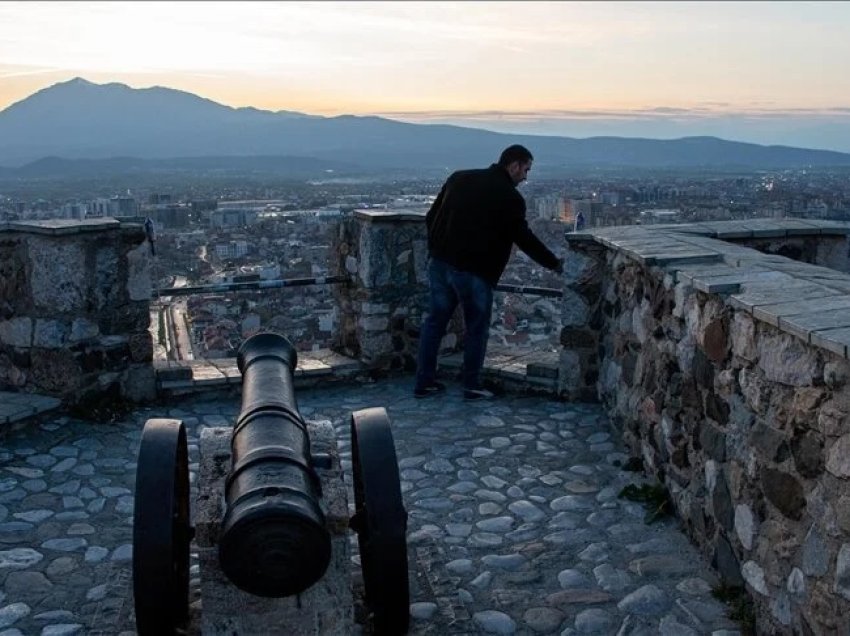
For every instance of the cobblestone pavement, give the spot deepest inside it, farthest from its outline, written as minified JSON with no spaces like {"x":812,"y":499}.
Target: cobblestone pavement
{"x":515,"y":524}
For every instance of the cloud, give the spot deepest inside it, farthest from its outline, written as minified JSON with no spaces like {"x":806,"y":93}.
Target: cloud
{"x":660,"y":113}
{"x":38,"y":71}
{"x":824,"y":128}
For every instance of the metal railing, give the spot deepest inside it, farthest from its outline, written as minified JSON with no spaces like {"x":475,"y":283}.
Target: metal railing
{"x":218,"y":288}
{"x":177,"y":330}
{"x":548,"y":292}
{"x":250,"y":285}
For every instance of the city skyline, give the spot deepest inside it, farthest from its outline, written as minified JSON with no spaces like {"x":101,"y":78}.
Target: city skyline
{"x":760,"y":72}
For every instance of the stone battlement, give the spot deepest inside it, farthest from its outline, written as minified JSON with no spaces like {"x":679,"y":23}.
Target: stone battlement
{"x":724,"y":364}
{"x":720,"y":351}
{"x":74,"y":311}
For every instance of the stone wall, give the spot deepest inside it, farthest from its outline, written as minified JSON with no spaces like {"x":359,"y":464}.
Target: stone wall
{"x":381,"y":310}
{"x":831,"y":251}
{"x":386,"y":255}
{"x":74,"y":309}
{"x":726,"y":371}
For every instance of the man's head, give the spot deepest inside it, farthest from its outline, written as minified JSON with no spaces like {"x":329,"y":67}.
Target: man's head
{"x":517,"y":161}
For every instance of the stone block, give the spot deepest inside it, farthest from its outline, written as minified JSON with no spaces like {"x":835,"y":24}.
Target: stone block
{"x":836,"y":373}
{"x":540,"y":370}
{"x":755,"y":295}
{"x":807,"y":450}
{"x":125,"y":319}
{"x":743,"y":336}
{"x":745,"y":525}
{"x":17,"y":332}
{"x":716,"y":408}
{"x":59,"y":277}
{"x":325,"y":608}
{"x":815,"y":559}
{"x":82,"y":330}
{"x":805,"y":405}
{"x":369,"y":309}
{"x":784,"y":491}
{"x":575,"y":310}
{"x":57,"y":227}
{"x":170,"y":370}
{"x":374,"y":323}
{"x":842,"y":512}
{"x":569,"y":372}
{"x":139,"y":273}
{"x":769,"y":443}
{"x":712,"y":439}
{"x":139,"y":383}
{"x":838,"y":457}
{"x":579,"y":338}
{"x":726,"y":562}
{"x":788,"y":360}
{"x":772,"y":313}
{"x":833,"y":340}
{"x":141,"y":347}
{"x":703,"y":370}
{"x":721,"y":504}
{"x":842,"y":571}
{"x":831,"y":419}
{"x":753,"y":574}
{"x":802,"y":325}
{"x":106,"y":288}
{"x":715,"y":340}
{"x":50,"y":334}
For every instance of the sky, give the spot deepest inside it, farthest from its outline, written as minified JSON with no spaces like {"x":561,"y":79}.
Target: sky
{"x":766,"y":72}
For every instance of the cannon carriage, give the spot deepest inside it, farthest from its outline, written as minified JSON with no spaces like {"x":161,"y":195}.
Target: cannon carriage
{"x":271,"y":522}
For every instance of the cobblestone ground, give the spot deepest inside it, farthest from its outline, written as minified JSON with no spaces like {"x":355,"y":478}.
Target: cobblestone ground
{"x":515,"y":525}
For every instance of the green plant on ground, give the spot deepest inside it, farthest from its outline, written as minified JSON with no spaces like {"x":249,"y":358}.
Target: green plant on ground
{"x":634,"y":465}
{"x":741,"y":608}
{"x":161,"y":332}
{"x":654,"y":497}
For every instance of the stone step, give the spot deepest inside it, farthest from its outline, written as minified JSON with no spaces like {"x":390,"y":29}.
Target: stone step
{"x":185,"y":376}
{"x":516,"y":367}
{"x":15,"y":407}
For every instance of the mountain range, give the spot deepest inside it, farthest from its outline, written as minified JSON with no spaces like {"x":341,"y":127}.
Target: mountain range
{"x":82,"y":128}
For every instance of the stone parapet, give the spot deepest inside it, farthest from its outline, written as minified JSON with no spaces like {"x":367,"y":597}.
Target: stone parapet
{"x":180,"y":377}
{"x":74,"y":309}
{"x":385,"y":253}
{"x":725,"y":365}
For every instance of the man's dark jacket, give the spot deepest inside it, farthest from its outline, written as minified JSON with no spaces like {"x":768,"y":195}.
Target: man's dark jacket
{"x":476,"y":219}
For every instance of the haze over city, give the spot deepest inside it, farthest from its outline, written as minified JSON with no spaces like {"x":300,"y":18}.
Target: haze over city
{"x":768,"y":73}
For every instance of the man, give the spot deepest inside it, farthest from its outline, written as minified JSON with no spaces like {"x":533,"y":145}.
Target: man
{"x":473,"y":224}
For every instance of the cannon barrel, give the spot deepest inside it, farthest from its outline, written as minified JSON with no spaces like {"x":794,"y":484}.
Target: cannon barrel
{"x":274,"y":541}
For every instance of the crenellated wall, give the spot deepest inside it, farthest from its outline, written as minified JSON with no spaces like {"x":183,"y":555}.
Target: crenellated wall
{"x":74,"y":309}
{"x":726,"y":370}
{"x":385,"y":254}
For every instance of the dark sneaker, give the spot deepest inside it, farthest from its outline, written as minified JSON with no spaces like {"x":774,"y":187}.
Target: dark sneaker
{"x":434,"y":388}
{"x":477,"y":394}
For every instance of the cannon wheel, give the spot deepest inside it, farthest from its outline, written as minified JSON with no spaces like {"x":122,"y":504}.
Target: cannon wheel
{"x":380,"y":521}
{"x":161,"y":529}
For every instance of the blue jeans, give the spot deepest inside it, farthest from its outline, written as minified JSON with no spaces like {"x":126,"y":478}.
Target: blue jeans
{"x":448,"y":287}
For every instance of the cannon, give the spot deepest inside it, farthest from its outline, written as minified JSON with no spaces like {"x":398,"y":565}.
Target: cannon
{"x":271,"y":517}
{"x":273,"y":539}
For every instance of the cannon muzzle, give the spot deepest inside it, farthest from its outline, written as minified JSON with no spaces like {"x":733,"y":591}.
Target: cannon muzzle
{"x":274,"y":541}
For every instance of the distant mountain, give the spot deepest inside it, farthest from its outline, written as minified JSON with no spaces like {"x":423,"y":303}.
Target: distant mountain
{"x":289,"y":167}
{"x":81,"y":120}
